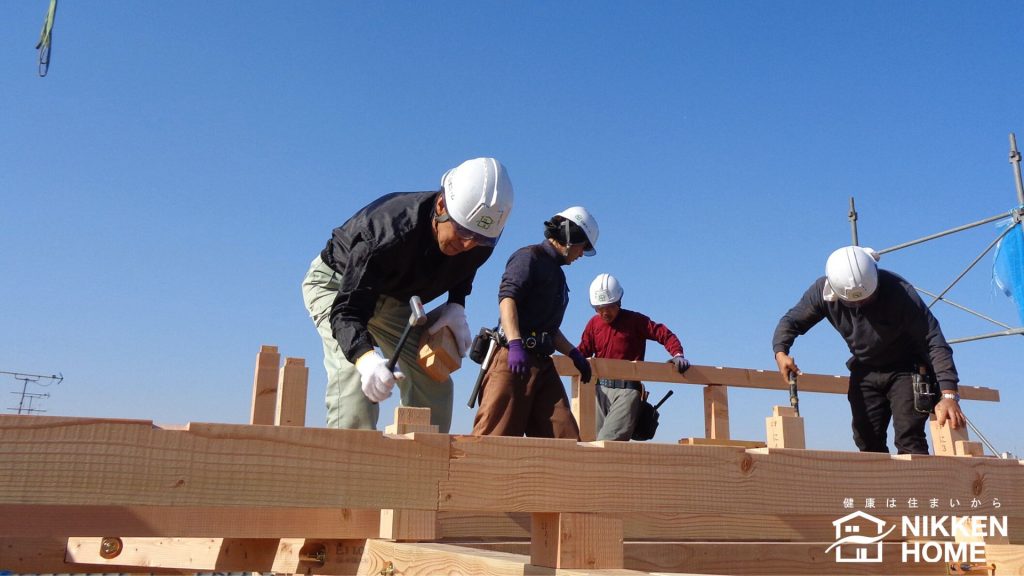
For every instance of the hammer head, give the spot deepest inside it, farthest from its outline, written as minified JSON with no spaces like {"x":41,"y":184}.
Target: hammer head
{"x":418,"y":316}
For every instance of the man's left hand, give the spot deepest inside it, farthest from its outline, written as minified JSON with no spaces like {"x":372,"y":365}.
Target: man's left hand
{"x":949,"y":409}
{"x":681,"y":363}
{"x":453,"y":316}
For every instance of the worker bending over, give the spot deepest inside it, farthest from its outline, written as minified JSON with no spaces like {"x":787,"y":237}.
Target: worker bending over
{"x":891,"y":335}
{"x":357,"y":289}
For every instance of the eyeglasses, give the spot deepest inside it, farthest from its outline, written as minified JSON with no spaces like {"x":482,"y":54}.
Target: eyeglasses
{"x":467,"y":234}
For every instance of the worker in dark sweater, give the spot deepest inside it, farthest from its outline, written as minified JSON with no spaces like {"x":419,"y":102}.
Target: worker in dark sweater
{"x":891,"y":334}
{"x":615,"y":332}
{"x":522,"y":392}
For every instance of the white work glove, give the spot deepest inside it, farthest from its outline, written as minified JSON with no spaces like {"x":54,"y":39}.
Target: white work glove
{"x":377,"y":380}
{"x":454,"y":317}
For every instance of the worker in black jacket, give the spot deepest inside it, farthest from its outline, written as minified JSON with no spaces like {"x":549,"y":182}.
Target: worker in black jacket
{"x":357,"y":289}
{"x":891,"y":334}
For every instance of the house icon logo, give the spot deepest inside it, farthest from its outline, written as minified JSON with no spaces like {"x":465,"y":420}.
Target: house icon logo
{"x":859,"y":538}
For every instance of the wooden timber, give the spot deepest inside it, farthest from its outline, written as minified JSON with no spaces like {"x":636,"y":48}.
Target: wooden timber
{"x":287,"y":499}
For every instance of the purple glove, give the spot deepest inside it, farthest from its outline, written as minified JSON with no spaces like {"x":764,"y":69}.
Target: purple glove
{"x":681,"y":363}
{"x":517,"y":361}
{"x":581,"y":364}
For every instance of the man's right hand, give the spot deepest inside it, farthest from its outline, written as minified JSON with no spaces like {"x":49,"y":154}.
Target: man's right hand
{"x":376,"y":379}
{"x":786,"y":366}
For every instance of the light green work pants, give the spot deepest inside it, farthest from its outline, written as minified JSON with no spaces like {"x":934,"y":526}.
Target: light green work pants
{"x":347,"y":406}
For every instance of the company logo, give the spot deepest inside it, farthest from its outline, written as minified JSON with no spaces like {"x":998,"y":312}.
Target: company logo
{"x":859,"y":538}
{"x":484,"y":222}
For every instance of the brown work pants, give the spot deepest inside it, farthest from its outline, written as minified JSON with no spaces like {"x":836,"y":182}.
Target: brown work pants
{"x":533,"y":404}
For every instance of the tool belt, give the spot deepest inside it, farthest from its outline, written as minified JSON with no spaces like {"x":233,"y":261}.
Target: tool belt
{"x":622,"y":384}
{"x":926,"y":390}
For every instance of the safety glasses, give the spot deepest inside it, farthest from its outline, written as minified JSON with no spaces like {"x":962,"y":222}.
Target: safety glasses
{"x":467,"y":234}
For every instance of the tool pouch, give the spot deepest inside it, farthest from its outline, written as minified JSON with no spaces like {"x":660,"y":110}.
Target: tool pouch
{"x":646,"y":422}
{"x":478,"y":350}
{"x":926,"y":392}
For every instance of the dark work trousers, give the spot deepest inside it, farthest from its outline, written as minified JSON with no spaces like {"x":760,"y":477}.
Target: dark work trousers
{"x":534,"y":404}
{"x":879,"y":396}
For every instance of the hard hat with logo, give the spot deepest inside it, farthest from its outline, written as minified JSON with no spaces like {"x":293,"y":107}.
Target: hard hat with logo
{"x":850,"y":274}
{"x":478,"y":195}
{"x":604,"y":290}
{"x":582,"y":218}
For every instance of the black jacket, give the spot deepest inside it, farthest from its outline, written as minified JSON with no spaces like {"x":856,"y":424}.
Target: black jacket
{"x":388,"y":248}
{"x":893,"y":332}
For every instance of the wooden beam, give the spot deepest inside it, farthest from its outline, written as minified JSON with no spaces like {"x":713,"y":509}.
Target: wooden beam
{"x":202,"y":554}
{"x":264,"y":386}
{"x":718,"y":442}
{"x":753,"y":558}
{"x":290,"y":409}
{"x":92,"y":462}
{"x":570,"y":540}
{"x":716,"y":412}
{"x":735,"y":377}
{"x":36,"y":521}
{"x":427,"y":559}
{"x":46,"y":556}
{"x":496,"y":474}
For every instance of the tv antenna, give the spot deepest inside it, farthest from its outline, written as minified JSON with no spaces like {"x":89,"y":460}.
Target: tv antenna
{"x":27,"y":397}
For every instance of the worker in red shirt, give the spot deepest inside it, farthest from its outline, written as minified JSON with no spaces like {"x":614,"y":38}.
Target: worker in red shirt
{"x":615,"y":332}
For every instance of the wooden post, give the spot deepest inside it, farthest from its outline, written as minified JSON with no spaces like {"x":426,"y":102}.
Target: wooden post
{"x":409,"y":419}
{"x":944,"y":439}
{"x":291,"y":393}
{"x":408,"y":525}
{"x":264,"y":386}
{"x":716,"y":412}
{"x":574,"y":540}
{"x":785,"y":429}
{"x":584,"y":407}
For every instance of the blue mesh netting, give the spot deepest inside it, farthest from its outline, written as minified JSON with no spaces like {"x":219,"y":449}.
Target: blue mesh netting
{"x":1008,"y":267}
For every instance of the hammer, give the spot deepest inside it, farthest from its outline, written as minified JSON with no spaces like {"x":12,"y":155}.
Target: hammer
{"x":417,"y":318}
{"x":794,"y":400}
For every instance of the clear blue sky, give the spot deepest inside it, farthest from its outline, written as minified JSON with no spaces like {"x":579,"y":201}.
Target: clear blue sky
{"x":165,"y":187}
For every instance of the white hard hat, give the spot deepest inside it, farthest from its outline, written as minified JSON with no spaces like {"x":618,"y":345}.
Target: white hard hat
{"x":850,"y":274}
{"x":605,"y":289}
{"x":582,"y":218}
{"x":478,"y":195}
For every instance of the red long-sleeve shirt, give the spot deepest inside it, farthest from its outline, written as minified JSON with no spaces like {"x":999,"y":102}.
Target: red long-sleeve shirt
{"x":626,"y":337}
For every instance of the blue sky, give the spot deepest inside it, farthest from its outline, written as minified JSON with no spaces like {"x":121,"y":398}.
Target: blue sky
{"x":165,"y":187}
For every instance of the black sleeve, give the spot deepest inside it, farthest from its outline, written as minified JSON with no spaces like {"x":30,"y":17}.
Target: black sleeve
{"x":808,"y":311}
{"x":356,"y":300}
{"x":457,"y":294}
{"x":924,"y":328}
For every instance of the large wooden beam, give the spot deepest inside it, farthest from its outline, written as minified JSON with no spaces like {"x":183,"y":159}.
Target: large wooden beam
{"x":83,"y":461}
{"x":736,"y":377}
{"x":37,"y":521}
{"x":543,"y":475}
{"x":427,"y":559}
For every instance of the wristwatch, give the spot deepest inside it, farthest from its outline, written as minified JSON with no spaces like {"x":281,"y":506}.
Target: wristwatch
{"x":954,"y":396}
